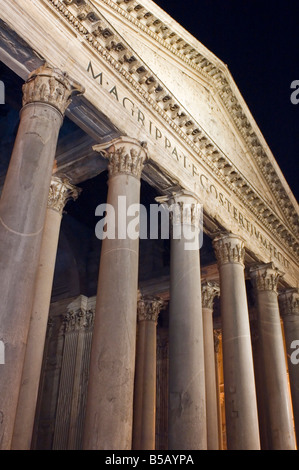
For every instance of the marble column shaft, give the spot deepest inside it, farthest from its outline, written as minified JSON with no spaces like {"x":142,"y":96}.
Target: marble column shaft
{"x":218,"y":373}
{"x":60,"y":192}
{"x":109,"y":413}
{"x":278,"y":413}
{"x":239,"y":385}
{"x":209,"y":291}
{"x":289,"y":309}
{"x":46,"y":95}
{"x":187,"y":404}
{"x":144,"y":420}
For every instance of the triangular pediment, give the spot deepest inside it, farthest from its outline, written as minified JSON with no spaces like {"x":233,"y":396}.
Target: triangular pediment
{"x":199,"y":94}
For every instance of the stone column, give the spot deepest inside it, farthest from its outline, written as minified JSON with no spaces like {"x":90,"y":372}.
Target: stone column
{"x":209,"y":290}
{"x":71,"y":401}
{"x":109,"y":413}
{"x":280,"y":429}
{"x":259,"y":379}
{"x":289,"y":310}
{"x":187,"y":404}
{"x":162,"y":389}
{"x":60,"y":192}
{"x":144,"y":420}
{"x":218,"y":372}
{"x":239,"y":384}
{"x":46,"y":95}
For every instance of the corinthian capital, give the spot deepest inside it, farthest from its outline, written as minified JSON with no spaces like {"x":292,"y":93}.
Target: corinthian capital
{"x":265,"y":277}
{"x":50,"y":85}
{"x":229,"y":248}
{"x":61,"y":191}
{"x":184,"y":207}
{"x":209,"y":290}
{"x":289,"y":302}
{"x":148,"y":308}
{"x":126,"y":156}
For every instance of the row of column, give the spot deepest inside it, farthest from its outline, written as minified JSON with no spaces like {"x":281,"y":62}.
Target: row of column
{"x":110,"y":400}
{"x":23,"y":205}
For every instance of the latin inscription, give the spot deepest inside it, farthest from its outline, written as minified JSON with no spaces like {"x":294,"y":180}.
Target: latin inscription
{"x":175,"y":152}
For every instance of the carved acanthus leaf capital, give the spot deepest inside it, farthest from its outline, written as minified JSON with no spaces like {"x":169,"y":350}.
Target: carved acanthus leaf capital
{"x":265,"y":277}
{"x":289,"y":302}
{"x":61,"y":191}
{"x":78,"y":320}
{"x":148,"y":308}
{"x":52,"y":86}
{"x":126,"y":156}
{"x":209,"y":290}
{"x":79,"y":315}
{"x":229,"y":248}
{"x":184,"y":208}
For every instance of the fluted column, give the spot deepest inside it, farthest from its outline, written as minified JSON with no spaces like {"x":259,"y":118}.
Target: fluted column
{"x":61,"y":190}
{"x":289,"y":310}
{"x":70,"y":408}
{"x":46,"y":95}
{"x":109,"y":413}
{"x":209,"y":291}
{"x":187,"y":405}
{"x":144,"y":420}
{"x":239,"y":385}
{"x":280,"y":430}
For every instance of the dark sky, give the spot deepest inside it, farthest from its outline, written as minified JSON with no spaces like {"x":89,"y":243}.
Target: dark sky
{"x":259,"y":41}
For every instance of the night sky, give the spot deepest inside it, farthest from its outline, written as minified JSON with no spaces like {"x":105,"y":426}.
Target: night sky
{"x":259,"y":41}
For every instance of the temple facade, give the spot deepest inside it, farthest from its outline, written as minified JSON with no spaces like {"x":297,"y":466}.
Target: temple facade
{"x":118,"y":331}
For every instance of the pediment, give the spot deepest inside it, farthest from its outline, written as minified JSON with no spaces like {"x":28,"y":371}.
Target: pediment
{"x":199,"y":94}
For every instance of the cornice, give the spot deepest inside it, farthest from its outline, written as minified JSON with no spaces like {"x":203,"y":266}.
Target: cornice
{"x":88,"y":22}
